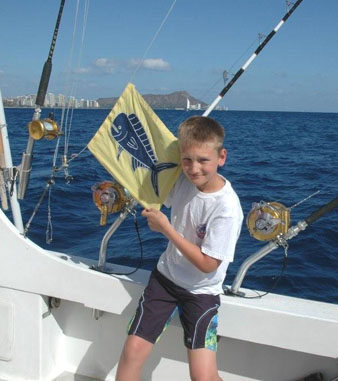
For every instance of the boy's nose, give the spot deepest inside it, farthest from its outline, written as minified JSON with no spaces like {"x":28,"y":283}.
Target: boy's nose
{"x":194,"y":166}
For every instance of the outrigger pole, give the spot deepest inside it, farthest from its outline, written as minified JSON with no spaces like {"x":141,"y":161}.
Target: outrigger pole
{"x":248,"y":62}
{"x":26,"y":163}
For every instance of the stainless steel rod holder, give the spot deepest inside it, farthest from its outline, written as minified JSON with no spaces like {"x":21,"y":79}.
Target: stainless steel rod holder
{"x":104,"y":244}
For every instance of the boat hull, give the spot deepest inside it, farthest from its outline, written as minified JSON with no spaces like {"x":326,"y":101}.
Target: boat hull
{"x":49,"y":300}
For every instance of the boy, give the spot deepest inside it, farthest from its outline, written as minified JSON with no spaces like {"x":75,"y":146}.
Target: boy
{"x":206,"y":219}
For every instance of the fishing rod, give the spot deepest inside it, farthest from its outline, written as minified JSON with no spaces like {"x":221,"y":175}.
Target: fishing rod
{"x":39,"y":128}
{"x":270,"y":222}
{"x":249,"y":61}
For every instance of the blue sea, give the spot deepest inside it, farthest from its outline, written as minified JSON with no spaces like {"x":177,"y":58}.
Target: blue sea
{"x":272,"y":156}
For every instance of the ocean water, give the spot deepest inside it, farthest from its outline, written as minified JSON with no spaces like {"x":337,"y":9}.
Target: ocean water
{"x":272,"y":156}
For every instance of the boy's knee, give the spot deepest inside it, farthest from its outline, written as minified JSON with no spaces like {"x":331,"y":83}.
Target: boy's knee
{"x":136,"y":349}
{"x":131,"y":350}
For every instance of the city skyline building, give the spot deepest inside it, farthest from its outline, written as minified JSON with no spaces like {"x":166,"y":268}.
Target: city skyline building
{"x":51,"y":100}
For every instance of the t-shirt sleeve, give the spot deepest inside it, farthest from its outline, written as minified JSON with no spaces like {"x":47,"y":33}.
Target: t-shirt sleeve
{"x":221,"y":236}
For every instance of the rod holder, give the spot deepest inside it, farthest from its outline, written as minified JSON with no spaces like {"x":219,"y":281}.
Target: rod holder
{"x":234,"y":290}
{"x":26,"y":161}
{"x":104,"y":244}
{"x":292,"y":232}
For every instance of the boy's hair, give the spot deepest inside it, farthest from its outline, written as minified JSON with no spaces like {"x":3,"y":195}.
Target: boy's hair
{"x":200,"y":129}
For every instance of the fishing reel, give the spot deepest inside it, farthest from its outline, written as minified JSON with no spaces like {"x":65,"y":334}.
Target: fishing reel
{"x":267,"y":220}
{"x":43,"y":128}
{"x":110,"y":197}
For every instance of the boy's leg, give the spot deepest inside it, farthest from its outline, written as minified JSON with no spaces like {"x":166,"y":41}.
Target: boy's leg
{"x":203,"y":365}
{"x":155,"y":310}
{"x":135,"y":353}
{"x":199,"y":318}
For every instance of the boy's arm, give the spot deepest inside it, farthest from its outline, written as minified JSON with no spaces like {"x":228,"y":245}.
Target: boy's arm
{"x":159,"y":222}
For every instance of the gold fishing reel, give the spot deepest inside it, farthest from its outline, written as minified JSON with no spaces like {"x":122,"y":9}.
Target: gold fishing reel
{"x":43,"y":128}
{"x":267,"y":220}
{"x":110,"y":197}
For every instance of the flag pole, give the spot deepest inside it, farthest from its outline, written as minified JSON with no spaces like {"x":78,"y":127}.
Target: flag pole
{"x":249,"y":61}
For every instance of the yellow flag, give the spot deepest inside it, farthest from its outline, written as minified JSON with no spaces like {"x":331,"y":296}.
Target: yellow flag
{"x":137,"y":149}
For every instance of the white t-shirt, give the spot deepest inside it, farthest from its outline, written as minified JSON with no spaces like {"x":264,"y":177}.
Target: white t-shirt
{"x":211,"y":221}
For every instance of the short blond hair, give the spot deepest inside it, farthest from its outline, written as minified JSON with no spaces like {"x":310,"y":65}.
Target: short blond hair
{"x":201,"y":129}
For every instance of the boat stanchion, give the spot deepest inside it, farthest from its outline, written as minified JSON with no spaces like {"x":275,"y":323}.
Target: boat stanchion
{"x":3,"y":194}
{"x":9,"y":171}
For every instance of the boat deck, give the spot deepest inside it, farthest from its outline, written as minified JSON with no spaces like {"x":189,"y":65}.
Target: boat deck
{"x":66,"y":376}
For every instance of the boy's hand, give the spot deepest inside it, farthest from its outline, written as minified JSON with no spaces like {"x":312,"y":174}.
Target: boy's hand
{"x":157,"y":221}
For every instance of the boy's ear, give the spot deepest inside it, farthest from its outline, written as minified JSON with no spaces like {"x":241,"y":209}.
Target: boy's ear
{"x":222,"y":157}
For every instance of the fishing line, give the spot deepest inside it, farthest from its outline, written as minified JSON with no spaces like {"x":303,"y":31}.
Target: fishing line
{"x":234,"y":63}
{"x":321,"y":190}
{"x":49,"y":230}
{"x":136,"y":70}
{"x":76,"y":155}
{"x":260,"y":47}
{"x":50,"y":182}
{"x":64,"y":113}
{"x":152,"y":41}
{"x":229,"y":70}
{"x":75,"y":83}
{"x":69,"y":66}
{"x":331,"y":187}
{"x":274,"y":285}
{"x":305,"y":199}
{"x":70,"y":86}
{"x":67,"y":117}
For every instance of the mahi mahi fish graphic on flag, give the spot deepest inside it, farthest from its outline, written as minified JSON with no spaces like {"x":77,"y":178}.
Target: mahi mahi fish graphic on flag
{"x":137,"y":149}
{"x":128,"y":131}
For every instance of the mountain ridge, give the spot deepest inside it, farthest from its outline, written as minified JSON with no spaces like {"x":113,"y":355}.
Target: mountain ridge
{"x":175,"y":100}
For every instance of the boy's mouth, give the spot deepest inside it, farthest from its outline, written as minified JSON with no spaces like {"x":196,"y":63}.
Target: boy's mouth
{"x":195,"y":177}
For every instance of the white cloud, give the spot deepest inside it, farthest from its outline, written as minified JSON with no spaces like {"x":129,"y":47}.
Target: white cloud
{"x":157,"y":64}
{"x":105,"y":65}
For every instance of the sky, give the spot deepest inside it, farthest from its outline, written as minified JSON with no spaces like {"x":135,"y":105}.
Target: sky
{"x":164,"y":46}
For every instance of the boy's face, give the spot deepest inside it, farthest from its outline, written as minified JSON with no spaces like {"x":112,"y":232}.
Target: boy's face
{"x":200,"y":163}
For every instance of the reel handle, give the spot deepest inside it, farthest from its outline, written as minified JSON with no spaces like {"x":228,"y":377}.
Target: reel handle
{"x":322,"y":211}
{"x":104,"y":215}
